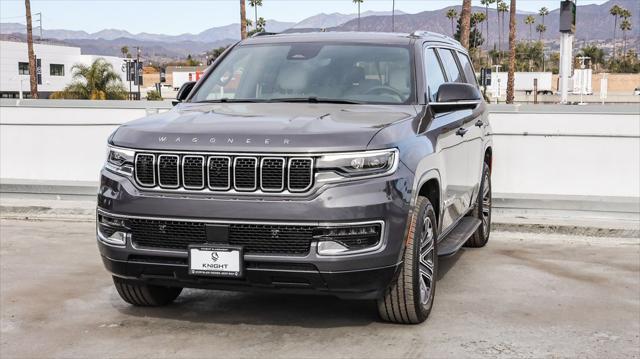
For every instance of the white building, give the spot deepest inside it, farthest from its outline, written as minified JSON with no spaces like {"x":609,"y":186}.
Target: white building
{"x":55,"y":63}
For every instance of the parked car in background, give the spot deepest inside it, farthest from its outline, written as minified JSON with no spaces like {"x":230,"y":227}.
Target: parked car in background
{"x":325,"y":163}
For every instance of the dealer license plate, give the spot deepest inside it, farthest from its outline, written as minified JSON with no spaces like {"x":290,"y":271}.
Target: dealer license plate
{"x":217,"y":261}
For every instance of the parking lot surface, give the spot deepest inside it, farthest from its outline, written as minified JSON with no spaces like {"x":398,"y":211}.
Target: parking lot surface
{"x":524,"y":295}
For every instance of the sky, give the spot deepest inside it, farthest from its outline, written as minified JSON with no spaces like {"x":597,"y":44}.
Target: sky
{"x":173,"y":17}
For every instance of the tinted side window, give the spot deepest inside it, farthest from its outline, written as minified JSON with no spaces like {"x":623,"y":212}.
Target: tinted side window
{"x":450,"y":66}
{"x":468,"y":69}
{"x":434,"y":74}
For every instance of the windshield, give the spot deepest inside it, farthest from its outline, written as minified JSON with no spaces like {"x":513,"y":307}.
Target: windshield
{"x":313,"y":72}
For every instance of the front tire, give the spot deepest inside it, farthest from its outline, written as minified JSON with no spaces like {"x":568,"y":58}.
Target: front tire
{"x":145,"y":295}
{"x":409,"y":298}
{"x":482,"y":211}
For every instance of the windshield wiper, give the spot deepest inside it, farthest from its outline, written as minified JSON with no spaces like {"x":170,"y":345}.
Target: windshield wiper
{"x":313,"y":99}
{"x":231,"y":100}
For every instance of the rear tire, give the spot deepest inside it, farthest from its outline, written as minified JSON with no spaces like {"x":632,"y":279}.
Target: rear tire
{"x":145,"y":295}
{"x":409,"y":298}
{"x":482,"y":211}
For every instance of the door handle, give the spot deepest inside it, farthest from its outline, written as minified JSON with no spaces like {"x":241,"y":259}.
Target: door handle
{"x":479,"y":123}
{"x":461,"y":131}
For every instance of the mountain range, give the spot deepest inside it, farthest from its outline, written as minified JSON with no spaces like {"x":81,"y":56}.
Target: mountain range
{"x":593,"y":23}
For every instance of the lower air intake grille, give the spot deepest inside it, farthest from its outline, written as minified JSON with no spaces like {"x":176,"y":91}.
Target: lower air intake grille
{"x":255,"y":238}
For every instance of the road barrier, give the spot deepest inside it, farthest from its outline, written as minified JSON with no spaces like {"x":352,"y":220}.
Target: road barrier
{"x":545,"y":156}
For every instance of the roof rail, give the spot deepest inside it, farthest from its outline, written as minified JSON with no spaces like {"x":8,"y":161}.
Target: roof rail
{"x":264,"y":33}
{"x":421,"y":34}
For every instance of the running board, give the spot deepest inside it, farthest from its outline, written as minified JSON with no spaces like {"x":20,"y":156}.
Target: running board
{"x":456,"y":238}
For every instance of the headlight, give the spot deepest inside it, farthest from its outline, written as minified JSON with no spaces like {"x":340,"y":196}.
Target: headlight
{"x":120,"y":160}
{"x":358,"y":164}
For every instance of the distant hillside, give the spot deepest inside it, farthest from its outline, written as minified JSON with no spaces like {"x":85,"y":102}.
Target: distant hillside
{"x":323,"y":20}
{"x":593,"y":22}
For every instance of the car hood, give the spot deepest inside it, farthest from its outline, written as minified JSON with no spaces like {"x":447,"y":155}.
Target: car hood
{"x":261,"y":127}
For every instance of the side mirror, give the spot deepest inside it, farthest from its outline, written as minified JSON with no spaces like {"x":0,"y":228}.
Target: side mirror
{"x":456,"y":96}
{"x":184,"y":92}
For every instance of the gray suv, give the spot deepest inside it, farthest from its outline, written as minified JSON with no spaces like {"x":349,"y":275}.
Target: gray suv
{"x":331,"y":163}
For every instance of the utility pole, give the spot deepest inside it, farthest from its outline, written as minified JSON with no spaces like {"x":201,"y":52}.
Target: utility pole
{"x":393,"y":16}
{"x":31,"y":54}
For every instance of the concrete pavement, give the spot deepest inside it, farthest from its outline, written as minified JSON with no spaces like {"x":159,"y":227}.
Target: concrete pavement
{"x":524,"y":295}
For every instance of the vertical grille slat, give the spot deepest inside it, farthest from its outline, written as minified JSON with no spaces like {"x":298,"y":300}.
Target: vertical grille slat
{"x":272,"y":174}
{"x":219,"y":172}
{"x":145,"y":169}
{"x":193,"y":172}
{"x":222,"y":173}
{"x":300,"y":174}
{"x":245,"y":173}
{"x":169,"y":171}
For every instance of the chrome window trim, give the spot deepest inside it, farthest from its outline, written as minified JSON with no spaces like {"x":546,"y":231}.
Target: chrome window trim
{"x":177,"y":171}
{"x":229,"y":174}
{"x":284,"y":163}
{"x":184,"y":184}
{"x":153,"y":169}
{"x":255,"y":174}
{"x":311,"y":182}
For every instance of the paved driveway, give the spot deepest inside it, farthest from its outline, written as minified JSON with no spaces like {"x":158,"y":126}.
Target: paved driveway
{"x":524,"y":295}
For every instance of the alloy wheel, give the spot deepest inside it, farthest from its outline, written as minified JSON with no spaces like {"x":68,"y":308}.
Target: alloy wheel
{"x":427,"y":259}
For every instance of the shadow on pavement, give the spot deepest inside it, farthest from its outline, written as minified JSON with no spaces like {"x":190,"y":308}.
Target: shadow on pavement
{"x":309,"y":311}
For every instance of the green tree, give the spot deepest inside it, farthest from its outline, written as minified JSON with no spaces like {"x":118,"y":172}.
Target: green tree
{"x":625,"y":26}
{"x":452,"y":14}
{"x":540,"y":29}
{"x":615,"y":11}
{"x":543,"y":12}
{"x":475,"y":37}
{"x":97,"y":81}
{"x":260,"y":26}
{"x":477,"y":19}
{"x":486,"y":4}
{"x":358,"y":2}
{"x":254,"y":4}
{"x":530,"y":20}
{"x":124,"y":50}
{"x":595,"y":53}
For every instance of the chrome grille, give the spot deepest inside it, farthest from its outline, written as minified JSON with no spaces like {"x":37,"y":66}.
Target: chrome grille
{"x":193,"y":172}
{"x":220,"y":173}
{"x":245,"y":173}
{"x":145,"y":170}
{"x":168,"y":171}
{"x":300,"y":174}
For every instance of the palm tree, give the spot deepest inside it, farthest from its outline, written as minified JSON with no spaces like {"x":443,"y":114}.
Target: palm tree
{"x":465,"y":23}
{"x":477,"y":18}
{"x":530,"y":20}
{"x":625,"y":26}
{"x":124,"y":50}
{"x":243,"y":20}
{"x":541,"y":29}
{"x":486,"y":4}
{"x":512,"y":52}
{"x":452,"y":14}
{"x":254,"y":4}
{"x":97,"y":81}
{"x":33,"y":80}
{"x":543,"y":12}
{"x":358,"y":2}
{"x":615,"y":11}
{"x":502,"y":9}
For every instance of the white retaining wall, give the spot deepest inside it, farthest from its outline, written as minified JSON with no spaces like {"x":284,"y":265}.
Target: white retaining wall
{"x":543,"y":151}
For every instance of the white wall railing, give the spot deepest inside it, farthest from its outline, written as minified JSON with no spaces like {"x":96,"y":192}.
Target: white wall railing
{"x":575,"y":153}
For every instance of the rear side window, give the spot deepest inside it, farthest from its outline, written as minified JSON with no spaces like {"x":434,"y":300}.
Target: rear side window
{"x":435,"y":77}
{"x":450,"y":66}
{"x":467,"y":68}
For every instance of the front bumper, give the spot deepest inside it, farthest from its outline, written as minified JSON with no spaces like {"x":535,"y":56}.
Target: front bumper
{"x":363,"y":275}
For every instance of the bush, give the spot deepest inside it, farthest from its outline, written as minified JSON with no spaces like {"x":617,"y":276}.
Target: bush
{"x":154,"y":95}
